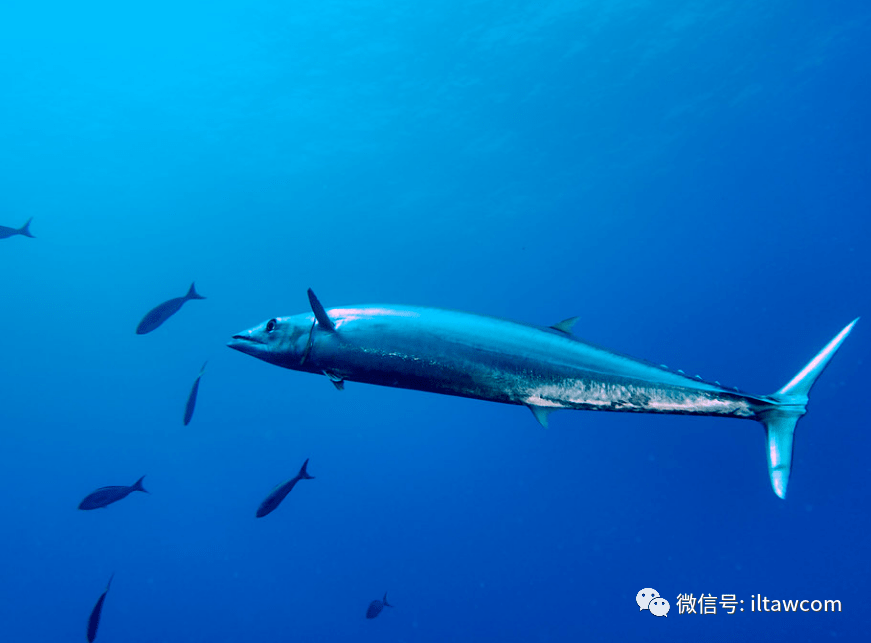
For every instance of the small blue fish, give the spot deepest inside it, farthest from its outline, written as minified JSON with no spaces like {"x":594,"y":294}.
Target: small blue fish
{"x":159,"y":314}
{"x":280,"y":492}
{"x":105,"y":496}
{"x":94,"y":618}
{"x":192,"y":397}
{"x":24,"y":231}
{"x":376,"y":606}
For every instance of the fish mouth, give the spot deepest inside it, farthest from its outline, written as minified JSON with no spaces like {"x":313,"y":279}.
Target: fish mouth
{"x":245,"y":338}
{"x":244,"y":343}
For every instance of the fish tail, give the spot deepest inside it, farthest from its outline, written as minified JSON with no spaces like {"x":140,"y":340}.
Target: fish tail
{"x":25,"y":229}
{"x":303,"y":474}
{"x":386,"y":604}
{"x":137,"y":486}
{"x":788,"y":405}
{"x":192,"y":293}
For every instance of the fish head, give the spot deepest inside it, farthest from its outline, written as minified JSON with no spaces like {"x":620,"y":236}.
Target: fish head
{"x":283,"y":341}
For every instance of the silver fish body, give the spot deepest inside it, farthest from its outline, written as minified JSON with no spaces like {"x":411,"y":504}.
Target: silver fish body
{"x":545,"y":369}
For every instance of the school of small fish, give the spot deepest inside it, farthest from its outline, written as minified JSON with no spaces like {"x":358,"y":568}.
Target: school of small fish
{"x":105,"y":496}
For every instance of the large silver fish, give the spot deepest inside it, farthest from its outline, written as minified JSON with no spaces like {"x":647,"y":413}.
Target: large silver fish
{"x":544,"y":369}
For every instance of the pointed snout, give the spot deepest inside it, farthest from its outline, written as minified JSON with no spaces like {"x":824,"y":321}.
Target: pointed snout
{"x":244,"y":342}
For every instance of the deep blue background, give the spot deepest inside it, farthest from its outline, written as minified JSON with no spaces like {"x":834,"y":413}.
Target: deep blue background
{"x":692,"y":179}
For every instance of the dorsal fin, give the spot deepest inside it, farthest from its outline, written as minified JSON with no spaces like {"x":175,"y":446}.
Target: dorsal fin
{"x":320,"y":313}
{"x":566,"y":325}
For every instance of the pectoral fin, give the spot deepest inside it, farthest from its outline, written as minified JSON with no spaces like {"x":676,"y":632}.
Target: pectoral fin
{"x":541,"y":413}
{"x":566,"y":325}
{"x":320,"y":313}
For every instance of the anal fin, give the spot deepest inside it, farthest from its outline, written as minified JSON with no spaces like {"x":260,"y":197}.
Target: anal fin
{"x":337,"y":380}
{"x":541,"y":413}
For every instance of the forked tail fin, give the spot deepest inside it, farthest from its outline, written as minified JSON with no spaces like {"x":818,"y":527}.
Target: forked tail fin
{"x":137,"y":486}
{"x":303,"y":472}
{"x":789,"y":405}
{"x":192,"y":293}
{"x":25,"y":229}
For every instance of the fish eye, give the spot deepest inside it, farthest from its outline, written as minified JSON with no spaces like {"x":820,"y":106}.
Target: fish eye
{"x":270,"y":326}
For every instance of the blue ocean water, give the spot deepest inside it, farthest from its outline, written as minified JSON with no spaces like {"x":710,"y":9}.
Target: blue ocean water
{"x":691,"y":178}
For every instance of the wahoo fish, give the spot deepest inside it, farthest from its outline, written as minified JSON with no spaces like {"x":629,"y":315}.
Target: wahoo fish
{"x":159,"y":314}
{"x":280,"y":492}
{"x":543,"y":368}
{"x":105,"y":496}
{"x":24,"y":231}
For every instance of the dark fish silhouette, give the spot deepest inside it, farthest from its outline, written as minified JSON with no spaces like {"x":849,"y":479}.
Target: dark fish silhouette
{"x":375,"y":607}
{"x":105,"y":496}
{"x":24,"y":231}
{"x":94,"y":618}
{"x":192,"y":397}
{"x":156,"y":316}
{"x":280,"y":492}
